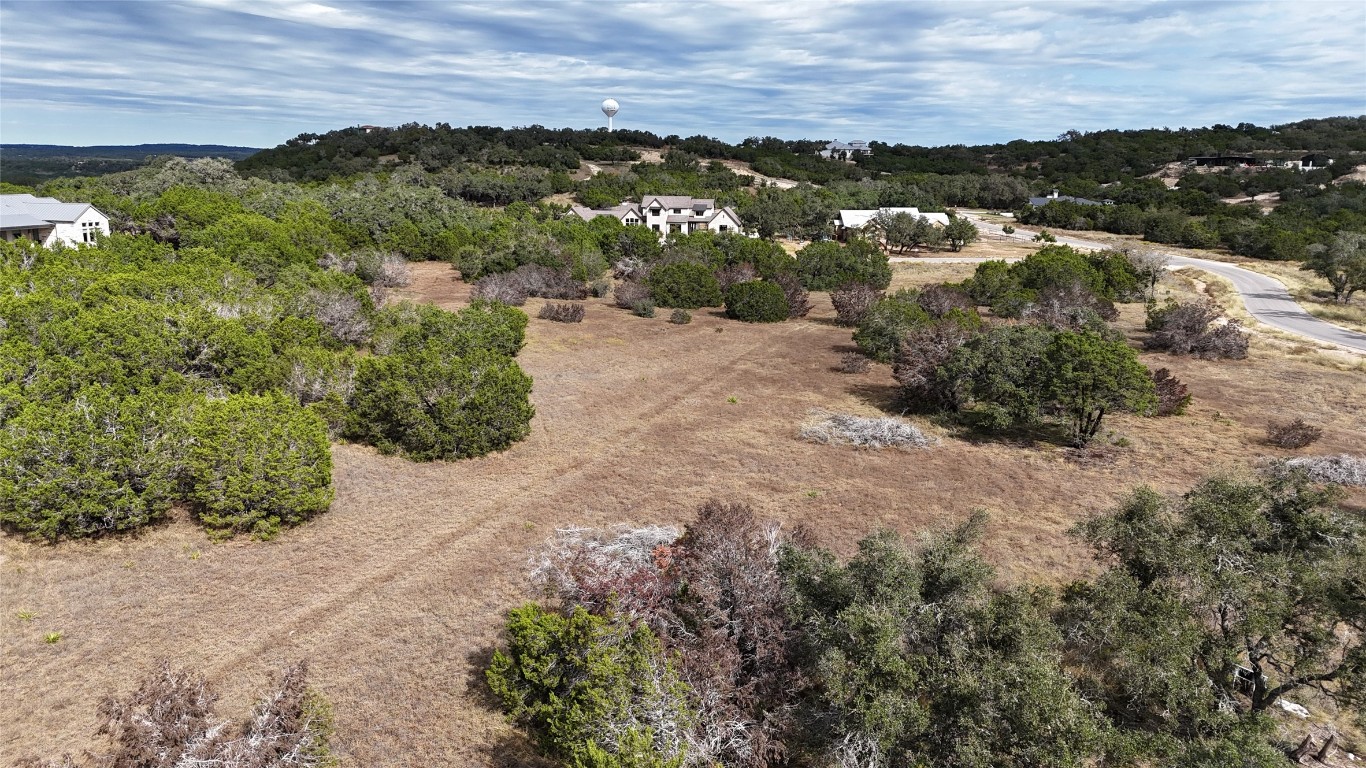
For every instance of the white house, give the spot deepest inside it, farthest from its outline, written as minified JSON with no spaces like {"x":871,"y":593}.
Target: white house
{"x":667,"y":214}
{"x":49,"y":221}
{"x":842,"y":151}
{"x":851,"y":220}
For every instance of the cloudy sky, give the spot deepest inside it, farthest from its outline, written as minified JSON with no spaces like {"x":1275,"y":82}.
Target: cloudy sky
{"x":256,"y":73}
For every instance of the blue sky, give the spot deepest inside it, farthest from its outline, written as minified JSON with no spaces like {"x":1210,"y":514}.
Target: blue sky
{"x":257,"y":73}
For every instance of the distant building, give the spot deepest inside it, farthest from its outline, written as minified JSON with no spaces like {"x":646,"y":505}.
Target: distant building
{"x":1315,"y":160}
{"x":1039,"y":202}
{"x":1222,"y":160}
{"x":838,"y":150}
{"x":668,"y":214}
{"x":49,"y":221}
{"x":858,"y":219}
{"x":370,"y":128}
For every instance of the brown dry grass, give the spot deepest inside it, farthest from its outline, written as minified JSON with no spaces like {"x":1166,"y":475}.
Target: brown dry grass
{"x":395,"y":595}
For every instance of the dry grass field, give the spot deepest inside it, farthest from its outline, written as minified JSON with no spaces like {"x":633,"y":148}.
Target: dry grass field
{"x":396,"y":594}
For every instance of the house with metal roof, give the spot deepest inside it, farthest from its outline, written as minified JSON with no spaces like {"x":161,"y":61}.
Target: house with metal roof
{"x":858,"y":219}
{"x":668,"y":214}
{"x":839,"y":150}
{"x":50,"y":221}
{"x":1039,"y":202}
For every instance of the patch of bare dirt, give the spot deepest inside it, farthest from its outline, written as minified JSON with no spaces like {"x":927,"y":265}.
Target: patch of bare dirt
{"x":395,"y":595}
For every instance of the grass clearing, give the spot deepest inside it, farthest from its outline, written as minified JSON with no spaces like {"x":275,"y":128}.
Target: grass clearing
{"x":396,"y":594}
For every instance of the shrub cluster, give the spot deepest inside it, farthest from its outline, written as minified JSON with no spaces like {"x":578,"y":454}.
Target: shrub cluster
{"x":513,"y":288}
{"x":170,"y":720}
{"x":827,"y":265}
{"x":1191,"y":329}
{"x":854,"y":362}
{"x":684,"y":285}
{"x":1297,"y":433}
{"x":680,"y":317}
{"x":1060,"y":285}
{"x":852,"y":301}
{"x":629,"y":293}
{"x":562,"y":313}
{"x":757,"y":301}
{"x":736,"y":644}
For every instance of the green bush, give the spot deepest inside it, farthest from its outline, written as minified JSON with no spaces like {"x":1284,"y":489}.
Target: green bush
{"x":757,"y":301}
{"x":593,"y":690}
{"x":101,"y":463}
{"x":680,"y":317}
{"x":257,"y":462}
{"x":431,"y":404}
{"x":684,"y":285}
{"x":886,"y":323}
{"x":483,"y":325}
{"x":827,"y":265}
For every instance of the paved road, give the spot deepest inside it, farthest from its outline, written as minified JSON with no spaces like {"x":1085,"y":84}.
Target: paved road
{"x":1265,"y":297}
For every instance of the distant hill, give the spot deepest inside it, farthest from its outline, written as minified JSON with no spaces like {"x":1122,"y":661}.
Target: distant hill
{"x":1099,"y":156}
{"x":30,"y":164}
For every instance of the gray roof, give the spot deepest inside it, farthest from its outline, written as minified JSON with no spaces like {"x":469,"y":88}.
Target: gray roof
{"x":618,"y":211}
{"x":26,"y":211}
{"x":677,"y":201}
{"x":1039,"y":202}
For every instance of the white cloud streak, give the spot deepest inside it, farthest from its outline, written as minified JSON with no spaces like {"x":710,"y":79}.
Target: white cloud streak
{"x":257,"y":72}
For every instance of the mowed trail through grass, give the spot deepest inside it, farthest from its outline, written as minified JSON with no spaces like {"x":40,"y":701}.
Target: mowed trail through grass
{"x":395,"y":595}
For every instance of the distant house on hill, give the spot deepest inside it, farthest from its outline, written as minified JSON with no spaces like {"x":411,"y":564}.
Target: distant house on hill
{"x":1315,"y":160}
{"x":1222,"y":160}
{"x":857,"y":219}
{"x":838,"y":150}
{"x":49,"y":221}
{"x":1039,"y":202}
{"x":667,"y":214}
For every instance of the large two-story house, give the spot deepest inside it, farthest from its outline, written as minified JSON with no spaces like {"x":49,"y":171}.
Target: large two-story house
{"x":669,"y":214}
{"x":49,"y":221}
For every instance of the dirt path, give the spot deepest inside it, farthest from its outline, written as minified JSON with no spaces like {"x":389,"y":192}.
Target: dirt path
{"x":395,"y":595}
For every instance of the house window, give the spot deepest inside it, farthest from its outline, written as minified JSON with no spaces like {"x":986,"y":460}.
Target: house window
{"x":724,"y":228}
{"x":655,"y":227}
{"x":675,"y":227}
{"x":677,"y":211}
{"x":632,"y":220}
{"x":656,"y":211}
{"x":89,"y":229}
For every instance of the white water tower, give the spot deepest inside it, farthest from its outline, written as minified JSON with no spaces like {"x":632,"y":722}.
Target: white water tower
{"x":609,"y":108}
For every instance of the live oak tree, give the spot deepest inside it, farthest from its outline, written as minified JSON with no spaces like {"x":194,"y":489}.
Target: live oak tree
{"x":960,"y":232}
{"x":1216,"y":604}
{"x":1089,"y":376}
{"x":1342,"y":262}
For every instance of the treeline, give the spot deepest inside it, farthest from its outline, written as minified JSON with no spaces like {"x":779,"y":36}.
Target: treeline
{"x":1310,"y":213}
{"x":31,"y":164}
{"x":733,"y":643}
{"x":1106,"y":156}
{"x":1100,"y":156}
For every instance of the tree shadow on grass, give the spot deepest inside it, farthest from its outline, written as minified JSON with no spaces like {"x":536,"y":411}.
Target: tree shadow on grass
{"x":512,"y":750}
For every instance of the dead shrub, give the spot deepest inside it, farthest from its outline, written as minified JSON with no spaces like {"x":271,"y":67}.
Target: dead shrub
{"x":1071,"y":306}
{"x":562,"y":313}
{"x":1172,"y":397}
{"x":1292,"y":434}
{"x":734,"y":274}
{"x":921,"y":354}
{"x":1185,"y":329}
{"x":384,"y":269}
{"x":342,"y":314}
{"x":1342,"y":469}
{"x":546,"y":283}
{"x":939,"y":300}
{"x":170,"y":722}
{"x":629,"y":293}
{"x":506,"y":287}
{"x":798,"y":300}
{"x":826,"y":428}
{"x":852,"y":302}
{"x":854,"y":362}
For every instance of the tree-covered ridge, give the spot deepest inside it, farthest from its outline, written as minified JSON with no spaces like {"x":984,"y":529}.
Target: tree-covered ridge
{"x":28,"y":164}
{"x":1099,"y":156}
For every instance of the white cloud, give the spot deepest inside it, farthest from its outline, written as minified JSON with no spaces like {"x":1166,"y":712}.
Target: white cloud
{"x":924,"y":72}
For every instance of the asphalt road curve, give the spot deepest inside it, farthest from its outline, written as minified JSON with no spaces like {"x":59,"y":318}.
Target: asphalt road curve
{"x":1266,"y":298}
